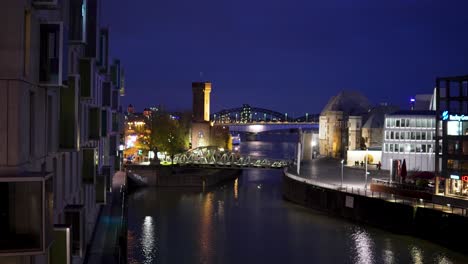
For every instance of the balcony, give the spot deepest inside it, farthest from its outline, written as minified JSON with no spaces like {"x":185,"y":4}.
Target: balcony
{"x":115,"y":74}
{"x":100,"y":188}
{"x":87,"y":78}
{"x":113,"y":145}
{"x":94,"y":123}
{"x":103,"y":61}
{"x":60,"y":251}
{"x":106,"y":171}
{"x":53,"y":54}
{"x":68,"y":118}
{"x":115,"y":122}
{"x":75,"y":217}
{"x":88,"y":166}
{"x":77,"y":23}
{"x":26,"y":213}
{"x":115,"y":100}
{"x":104,"y":122}
{"x":106,"y":94}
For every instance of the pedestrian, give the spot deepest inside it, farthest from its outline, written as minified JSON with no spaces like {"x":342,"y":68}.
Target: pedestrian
{"x":362,"y":163}
{"x":379,"y":165}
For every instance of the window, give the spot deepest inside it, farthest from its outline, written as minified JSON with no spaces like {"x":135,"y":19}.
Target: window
{"x":402,"y":148}
{"x":418,"y":147}
{"x":412,"y":148}
{"x":413,"y":135}
{"x":402,"y":122}
{"x":407,"y":147}
{"x":391,"y":147}
{"x":423,"y":148}
{"x":397,"y":135}
{"x":424,"y":123}
{"x":391,"y":135}
{"x":386,"y":147}
{"x":418,"y":122}
{"x":407,"y":122}
{"x":49,"y":123}
{"x":396,"y":148}
{"x":387,"y":122}
{"x":418,"y":135}
{"x":423,"y":135}
{"x":402,"y":135}
{"x":412,"y":123}
{"x":398,"y":123}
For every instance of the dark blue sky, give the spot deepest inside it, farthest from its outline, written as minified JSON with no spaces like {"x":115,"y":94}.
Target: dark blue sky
{"x":285,"y":55}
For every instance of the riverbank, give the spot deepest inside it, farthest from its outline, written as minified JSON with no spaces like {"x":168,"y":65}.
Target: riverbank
{"x":440,"y":226}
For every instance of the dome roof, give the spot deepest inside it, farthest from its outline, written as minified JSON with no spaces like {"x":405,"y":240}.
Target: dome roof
{"x":350,"y":102}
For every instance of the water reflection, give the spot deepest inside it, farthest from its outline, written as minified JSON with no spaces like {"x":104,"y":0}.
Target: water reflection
{"x":206,"y":227}
{"x":416,"y":255}
{"x":363,"y":246}
{"x":148,"y":243}
{"x":388,"y":255}
{"x":236,"y":189}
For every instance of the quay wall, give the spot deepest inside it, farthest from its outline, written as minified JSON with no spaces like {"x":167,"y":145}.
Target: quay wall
{"x":443,"y":228}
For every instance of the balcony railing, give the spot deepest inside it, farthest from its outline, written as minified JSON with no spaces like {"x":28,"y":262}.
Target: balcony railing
{"x":69,"y":115}
{"x":26,"y":213}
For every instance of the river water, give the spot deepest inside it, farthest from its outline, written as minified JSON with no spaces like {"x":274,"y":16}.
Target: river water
{"x":247,"y":221}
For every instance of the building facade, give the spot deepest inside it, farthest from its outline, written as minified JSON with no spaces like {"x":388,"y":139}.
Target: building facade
{"x":410,"y":136}
{"x":452,"y":140}
{"x":61,"y":125}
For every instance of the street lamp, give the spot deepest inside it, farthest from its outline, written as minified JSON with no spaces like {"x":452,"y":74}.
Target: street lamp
{"x":307,"y":117}
{"x":342,"y":165}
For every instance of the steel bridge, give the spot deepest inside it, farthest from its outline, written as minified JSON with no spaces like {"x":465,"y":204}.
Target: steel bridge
{"x":249,"y":114}
{"x":220,"y":158}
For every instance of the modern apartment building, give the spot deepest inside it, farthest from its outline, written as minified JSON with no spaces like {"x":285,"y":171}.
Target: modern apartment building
{"x":60,"y":126}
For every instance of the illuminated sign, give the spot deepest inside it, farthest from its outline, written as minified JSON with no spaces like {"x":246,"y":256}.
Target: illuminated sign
{"x":456,"y":117}
{"x":464,"y":178}
{"x":455,"y":177}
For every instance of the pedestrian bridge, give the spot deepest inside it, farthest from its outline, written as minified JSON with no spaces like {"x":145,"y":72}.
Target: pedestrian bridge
{"x":220,"y":158}
{"x":259,"y":127}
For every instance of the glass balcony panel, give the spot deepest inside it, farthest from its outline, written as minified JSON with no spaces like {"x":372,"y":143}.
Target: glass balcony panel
{"x":74,"y":217}
{"x":89,"y":165}
{"x":26,"y":204}
{"x":60,"y":252}
{"x":69,"y":115}
{"x":94,"y":123}
{"x":87,"y":78}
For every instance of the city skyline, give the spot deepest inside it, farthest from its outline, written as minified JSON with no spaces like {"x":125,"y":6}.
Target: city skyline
{"x":296,"y":54}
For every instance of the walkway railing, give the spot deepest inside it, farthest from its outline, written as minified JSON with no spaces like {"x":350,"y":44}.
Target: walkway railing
{"x":447,"y":208}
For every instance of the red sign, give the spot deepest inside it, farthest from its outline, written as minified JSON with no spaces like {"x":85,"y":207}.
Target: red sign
{"x":464,"y":178}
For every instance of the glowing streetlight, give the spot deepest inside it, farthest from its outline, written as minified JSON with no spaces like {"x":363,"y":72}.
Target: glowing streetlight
{"x":307,"y":117}
{"x":365,"y":186}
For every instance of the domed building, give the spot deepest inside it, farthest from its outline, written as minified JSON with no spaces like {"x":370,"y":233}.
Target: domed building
{"x":341,"y":124}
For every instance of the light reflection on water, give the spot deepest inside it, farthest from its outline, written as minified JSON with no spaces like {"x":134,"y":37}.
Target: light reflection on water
{"x":241,"y":223}
{"x":148,"y":243}
{"x":364,"y":252}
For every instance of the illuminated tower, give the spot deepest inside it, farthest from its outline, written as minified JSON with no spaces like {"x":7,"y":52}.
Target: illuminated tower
{"x":201,"y":101}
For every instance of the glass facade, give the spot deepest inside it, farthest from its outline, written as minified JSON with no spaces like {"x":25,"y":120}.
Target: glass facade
{"x":452,"y":142}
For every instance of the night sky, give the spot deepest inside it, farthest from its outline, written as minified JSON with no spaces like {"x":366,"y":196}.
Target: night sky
{"x":285,"y":55}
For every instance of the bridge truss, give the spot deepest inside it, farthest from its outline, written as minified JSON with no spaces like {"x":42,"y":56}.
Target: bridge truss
{"x":249,"y":114}
{"x":218,"y":157}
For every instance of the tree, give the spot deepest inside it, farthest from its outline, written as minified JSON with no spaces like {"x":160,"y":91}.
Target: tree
{"x":169,"y":133}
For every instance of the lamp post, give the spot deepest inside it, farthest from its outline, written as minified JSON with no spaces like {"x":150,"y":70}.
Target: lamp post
{"x":307,"y":117}
{"x":342,"y":165}
{"x":365,"y":185}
